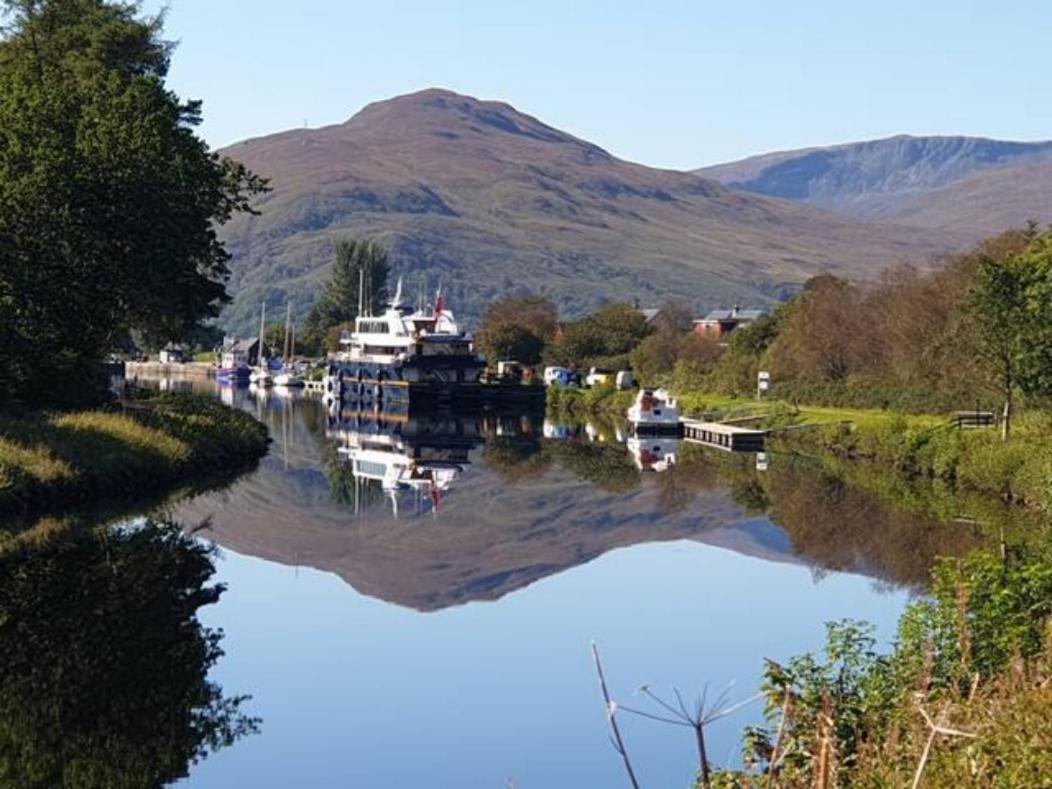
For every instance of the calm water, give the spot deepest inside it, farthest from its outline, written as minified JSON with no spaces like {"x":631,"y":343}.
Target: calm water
{"x":428,"y":624}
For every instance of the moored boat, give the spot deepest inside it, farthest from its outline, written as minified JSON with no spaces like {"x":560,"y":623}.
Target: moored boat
{"x":288,"y":377}
{"x":232,"y":369}
{"x":405,"y":352}
{"x":261,"y":376}
{"x":654,"y":412}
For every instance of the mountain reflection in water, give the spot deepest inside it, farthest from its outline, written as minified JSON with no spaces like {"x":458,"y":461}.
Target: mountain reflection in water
{"x":110,"y":679}
{"x":434,"y":511}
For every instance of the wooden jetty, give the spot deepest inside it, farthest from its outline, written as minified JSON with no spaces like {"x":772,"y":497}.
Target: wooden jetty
{"x":723,"y":436}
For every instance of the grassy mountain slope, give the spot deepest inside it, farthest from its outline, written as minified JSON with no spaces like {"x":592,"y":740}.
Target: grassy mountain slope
{"x":490,"y":201}
{"x":966,"y":187}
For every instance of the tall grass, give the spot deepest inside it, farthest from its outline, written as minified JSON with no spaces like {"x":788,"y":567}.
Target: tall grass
{"x":53,"y":460}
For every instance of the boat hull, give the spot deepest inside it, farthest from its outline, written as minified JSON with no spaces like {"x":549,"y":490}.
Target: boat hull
{"x":432,"y":383}
{"x":236,"y":375}
{"x":668,"y":429}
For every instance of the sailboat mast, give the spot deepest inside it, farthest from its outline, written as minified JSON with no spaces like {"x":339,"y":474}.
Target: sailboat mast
{"x":262,"y":329}
{"x":361,"y":292}
{"x":288,"y":322}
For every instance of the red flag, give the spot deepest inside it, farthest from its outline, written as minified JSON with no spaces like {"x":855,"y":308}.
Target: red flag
{"x":440,"y":302}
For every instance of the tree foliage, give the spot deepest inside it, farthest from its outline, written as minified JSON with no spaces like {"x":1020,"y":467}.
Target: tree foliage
{"x":604,"y":338}
{"x":353,"y":261}
{"x":517,"y":328}
{"x":973,"y":327}
{"x":104,"y":671}
{"x":109,"y":202}
{"x":687,"y":355}
{"x":976,"y":646}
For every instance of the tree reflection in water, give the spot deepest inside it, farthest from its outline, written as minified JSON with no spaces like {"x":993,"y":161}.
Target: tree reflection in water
{"x":104,"y":666}
{"x":836,"y":516}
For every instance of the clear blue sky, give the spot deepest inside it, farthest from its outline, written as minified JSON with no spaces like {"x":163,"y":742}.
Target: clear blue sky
{"x":669,"y":84}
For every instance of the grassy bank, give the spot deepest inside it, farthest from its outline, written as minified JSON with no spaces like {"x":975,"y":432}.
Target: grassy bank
{"x":916,"y":445}
{"x":1018,"y":471}
{"x":53,"y":461}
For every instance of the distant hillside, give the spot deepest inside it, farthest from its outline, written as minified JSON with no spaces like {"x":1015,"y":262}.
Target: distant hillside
{"x":965,"y":186}
{"x":492,"y":201}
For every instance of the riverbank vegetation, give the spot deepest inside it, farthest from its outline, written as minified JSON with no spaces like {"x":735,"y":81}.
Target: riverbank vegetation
{"x":109,"y":207}
{"x":50,"y":461}
{"x":883,"y":365}
{"x":963,"y":697}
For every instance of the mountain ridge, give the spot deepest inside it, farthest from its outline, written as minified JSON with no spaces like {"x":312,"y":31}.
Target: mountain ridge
{"x":491,"y":200}
{"x":924,"y":181}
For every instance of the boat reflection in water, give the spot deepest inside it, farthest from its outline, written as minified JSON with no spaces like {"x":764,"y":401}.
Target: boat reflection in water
{"x":649,"y":453}
{"x":412,"y":460}
{"x":512,"y":499}
{"x":652,"y":453}
{"x":402,"y":457}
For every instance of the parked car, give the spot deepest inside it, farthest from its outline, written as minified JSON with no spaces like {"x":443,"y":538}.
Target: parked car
{"x":558,"y":376}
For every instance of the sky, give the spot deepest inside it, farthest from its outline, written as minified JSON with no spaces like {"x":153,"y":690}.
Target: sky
{"x":668,"y":84}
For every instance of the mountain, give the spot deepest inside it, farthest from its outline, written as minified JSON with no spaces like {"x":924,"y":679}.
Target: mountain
{"x":964,"y":187}
{"x":491,"y":201}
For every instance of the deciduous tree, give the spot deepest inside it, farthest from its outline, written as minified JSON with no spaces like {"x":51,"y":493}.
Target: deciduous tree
{"x":518,"y":328}
{"x":109,"y":202}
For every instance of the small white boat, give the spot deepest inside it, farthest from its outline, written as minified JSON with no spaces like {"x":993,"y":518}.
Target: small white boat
{"x":654,"y":412}
{"x":261,"y":377}
{"x":288,"y":380}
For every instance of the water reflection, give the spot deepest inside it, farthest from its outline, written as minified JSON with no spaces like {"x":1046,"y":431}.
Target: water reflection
{"x":104,"y":666}
{"x":509,"y":499}
{"x":398,"y":458}
{"x":429,"y":513}
{"x":653,"y":453}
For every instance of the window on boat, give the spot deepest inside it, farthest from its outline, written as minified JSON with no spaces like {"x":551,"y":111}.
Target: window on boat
{"x":373,"y":327}
{"x":657,"y":412}
{"x":371,"y":468}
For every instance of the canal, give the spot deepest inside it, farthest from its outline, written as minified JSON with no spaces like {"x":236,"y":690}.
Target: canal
{"x":410,"y":602}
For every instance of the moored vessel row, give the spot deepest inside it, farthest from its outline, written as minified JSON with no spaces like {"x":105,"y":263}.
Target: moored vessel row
{"x":418,"y":356}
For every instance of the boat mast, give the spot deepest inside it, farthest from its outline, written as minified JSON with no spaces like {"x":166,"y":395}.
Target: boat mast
{"x":286,"y":351}
{"x":262,"y":327}
{"x":361,"y":292}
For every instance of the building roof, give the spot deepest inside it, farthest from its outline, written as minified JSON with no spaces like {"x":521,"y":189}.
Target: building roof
{"x":650,"y":313}
{"x":234,"y":344}
{"x":738,"y":315}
